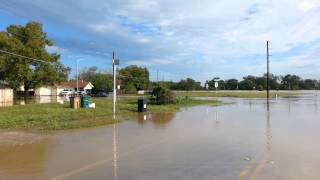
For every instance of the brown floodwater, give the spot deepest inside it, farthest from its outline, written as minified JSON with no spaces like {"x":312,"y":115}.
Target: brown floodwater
{"x":243,"y":140}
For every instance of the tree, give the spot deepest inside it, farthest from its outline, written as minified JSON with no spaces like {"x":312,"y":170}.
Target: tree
{"x":29,"y":41}
{"x":248,"y":83}
{"x":290,"y":82}
{"x":273,"y":81}
{"x":100,"y":80}
{"x":188,"y":84}
{"x":232,"y":84}
{"x":308,"y":84}
{"x":134,"y":76}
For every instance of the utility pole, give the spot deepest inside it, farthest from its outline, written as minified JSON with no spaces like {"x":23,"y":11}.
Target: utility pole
{"x":158,"y":76}
{"x":268,"y":88}
{"x":78,"y":76}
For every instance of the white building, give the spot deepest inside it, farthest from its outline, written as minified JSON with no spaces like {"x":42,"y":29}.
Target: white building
{"x":6,"y":94}
{"x":57,"y":89}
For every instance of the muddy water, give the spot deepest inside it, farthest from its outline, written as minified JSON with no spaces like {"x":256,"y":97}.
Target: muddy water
{"x":239,"y":141}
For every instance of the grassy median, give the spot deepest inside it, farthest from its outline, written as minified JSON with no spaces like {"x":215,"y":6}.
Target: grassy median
{"x":236,"y":94}
{"x":55,"y":116}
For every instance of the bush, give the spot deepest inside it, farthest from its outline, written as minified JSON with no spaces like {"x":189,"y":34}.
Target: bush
{"x":130,"y":89}
{"x":162,"y":95}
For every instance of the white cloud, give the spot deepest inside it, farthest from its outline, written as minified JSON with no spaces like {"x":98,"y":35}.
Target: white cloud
{"x":55,"y":49}
{"x":199,"y":35}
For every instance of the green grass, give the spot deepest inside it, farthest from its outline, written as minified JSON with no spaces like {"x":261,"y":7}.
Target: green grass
{"x":56,"y":116}
{"x":237,"y":94}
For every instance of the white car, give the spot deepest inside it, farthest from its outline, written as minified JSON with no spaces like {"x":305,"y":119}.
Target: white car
{"x":66,"y":92}
{"x":82,"y":92}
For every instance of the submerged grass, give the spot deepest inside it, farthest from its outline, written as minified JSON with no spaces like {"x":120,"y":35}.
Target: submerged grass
{"x":55,"y":116}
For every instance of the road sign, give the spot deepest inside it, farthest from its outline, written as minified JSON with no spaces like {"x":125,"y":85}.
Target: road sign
{"x":216,"y":85}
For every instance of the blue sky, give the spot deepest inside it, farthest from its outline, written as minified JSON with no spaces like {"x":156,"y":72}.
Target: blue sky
{"x":198,"y":39}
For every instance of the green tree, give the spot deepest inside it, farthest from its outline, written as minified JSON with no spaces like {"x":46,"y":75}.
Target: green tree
{"x":248,"y":83}
{"x":308,"y":84}
{"x":134,"y":76}
{"x":189,"y":85}
{"x":29,"y":41}
{"x":232,"y":84}
{"x":100,"y":80}
{"x":290,"y":82}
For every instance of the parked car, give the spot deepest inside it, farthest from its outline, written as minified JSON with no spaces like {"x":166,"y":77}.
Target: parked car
{"x":66,"y":92}
{"x":100,"y":94}
{"x":82,"y":92}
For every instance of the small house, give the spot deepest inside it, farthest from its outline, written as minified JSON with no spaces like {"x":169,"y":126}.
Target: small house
{"x":58,"y":88}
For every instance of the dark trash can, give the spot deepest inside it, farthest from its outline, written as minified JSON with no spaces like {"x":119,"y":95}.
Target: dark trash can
{"x":142,"y":105}
{"x":85,"y":101}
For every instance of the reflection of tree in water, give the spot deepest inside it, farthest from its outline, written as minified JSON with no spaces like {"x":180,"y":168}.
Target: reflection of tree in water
{"x":158,"y":119}
{"x":25,"y":161}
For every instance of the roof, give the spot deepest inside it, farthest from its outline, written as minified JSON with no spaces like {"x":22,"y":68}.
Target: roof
{"x":73,"y":84}
{"x":3,"y":84}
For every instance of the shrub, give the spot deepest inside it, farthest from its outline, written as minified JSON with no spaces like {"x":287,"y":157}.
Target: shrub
{"x":162,"y":95}
{"x":130,"y":89}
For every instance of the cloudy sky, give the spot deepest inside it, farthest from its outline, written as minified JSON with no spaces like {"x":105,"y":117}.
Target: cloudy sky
{"x":200,"y":39}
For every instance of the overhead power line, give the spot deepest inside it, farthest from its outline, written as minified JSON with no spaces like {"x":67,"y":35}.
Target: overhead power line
{"x":18,"y":55}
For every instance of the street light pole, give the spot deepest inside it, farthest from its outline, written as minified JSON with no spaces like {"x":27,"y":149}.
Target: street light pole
{"x":114,"y":63}
{"x":268,"y":88}
{"x":77,"y":76}
{"x":114,"y":87}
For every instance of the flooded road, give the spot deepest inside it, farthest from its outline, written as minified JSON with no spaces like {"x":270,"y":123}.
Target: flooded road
{"x":239,"y":141}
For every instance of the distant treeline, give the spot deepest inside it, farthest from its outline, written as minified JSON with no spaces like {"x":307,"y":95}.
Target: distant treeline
{"x":287,"y":82}
{"x":134,"y":78}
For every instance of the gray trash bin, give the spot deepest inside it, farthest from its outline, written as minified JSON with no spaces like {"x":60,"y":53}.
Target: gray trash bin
{"x":142,"y":105}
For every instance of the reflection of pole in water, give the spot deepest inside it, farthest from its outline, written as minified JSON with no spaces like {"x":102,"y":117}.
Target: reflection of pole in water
{"x":268,"y":133}
{"x":268,"y":105}
{"x":217,"y":120}
{"x":115,"y":152}
{"x":289,"y":105}
{"x":316,"y":102}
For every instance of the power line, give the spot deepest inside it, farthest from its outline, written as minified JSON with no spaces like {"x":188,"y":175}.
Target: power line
{"x":18,"y":55}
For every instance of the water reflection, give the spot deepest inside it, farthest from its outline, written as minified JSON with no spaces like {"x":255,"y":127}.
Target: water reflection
{"x":115,"y":152}
{"x":193,"y":147}
{"x":27,"y":161}
{"x":268,"y":132}
{"x":6,"y":104}
{"x":40,"y":100}
{"x":159,"y":120}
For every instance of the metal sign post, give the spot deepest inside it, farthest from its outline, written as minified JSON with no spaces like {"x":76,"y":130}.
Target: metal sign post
{"x":216,"y":84}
